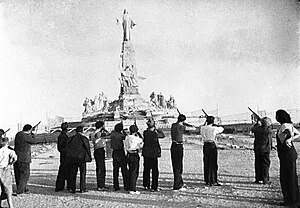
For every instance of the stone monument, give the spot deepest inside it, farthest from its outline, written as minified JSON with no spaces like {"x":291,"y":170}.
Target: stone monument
{"x":130,"y":104}
{"x":129,"y":96}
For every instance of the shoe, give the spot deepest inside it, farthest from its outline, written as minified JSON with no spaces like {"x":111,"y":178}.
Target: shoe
{"x":57,"y":190}
{"x":83,"y":191}
{"x":217,"y":184}
{"x":102,"y":189}
{"x":116,"y":189}
{"x":72,"y":191}
{"x":24,"y":192}
{"x":266,"y":182}
{"x":134,"y":192}
{"x":182,"y":189}
{"x":146,"y":188}
{"x":256,"y":182}
{"x":14,"y":194}
{"x":155,"y":190}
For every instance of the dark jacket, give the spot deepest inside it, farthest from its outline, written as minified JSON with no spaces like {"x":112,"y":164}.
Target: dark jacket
{"x":62,"y":145}
{"x":262,"y":139}
{"x":78,"y":150}
{"x":151,"y":146}
{"x":116,"y":140}
{"x":23,"y":142}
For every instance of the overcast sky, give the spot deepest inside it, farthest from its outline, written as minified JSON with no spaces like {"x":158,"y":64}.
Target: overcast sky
{"x":207,"y":54}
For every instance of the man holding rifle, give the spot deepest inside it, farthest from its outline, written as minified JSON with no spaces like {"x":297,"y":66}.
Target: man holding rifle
{"x":262,"y":148}
{"x":23,"y":141}
{"x":210,"y":153}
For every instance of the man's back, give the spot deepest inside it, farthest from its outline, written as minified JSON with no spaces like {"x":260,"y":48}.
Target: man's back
{"x":78,"y":149}
{"x":22,"y":147}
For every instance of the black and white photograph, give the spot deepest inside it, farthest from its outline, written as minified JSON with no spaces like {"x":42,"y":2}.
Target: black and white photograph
{"x":157,"y":103}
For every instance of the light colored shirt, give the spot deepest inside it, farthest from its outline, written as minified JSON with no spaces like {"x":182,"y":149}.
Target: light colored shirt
{"x":98,"y":141}
{"x":7,"y":156}
{"x":287,"y":126}
{"x":133,"y":143}
{"x":209,"y":132}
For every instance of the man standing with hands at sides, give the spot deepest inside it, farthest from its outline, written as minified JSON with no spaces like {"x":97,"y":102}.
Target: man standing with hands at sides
{"x":119,"y":158}
{"x":23,"y":141}
{"x":151,"y":153}
{"x":78,"y":154}
{"x":210,"y":152}
{"x":177,"y":130}
{"x":99,"y":143}
{"x":262,"y":148}
{"x":62,"y":175}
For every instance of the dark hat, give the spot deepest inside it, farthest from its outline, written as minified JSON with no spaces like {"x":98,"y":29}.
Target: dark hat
{"x":133,"y":129}
{"x":1,"y":132}
{"x":4,"y":140}
{"x":210,"y":119}
{"x":150,"y":123}
{"x":27,"y":127}
{"x":118,"y":127}
{"x":64,"y":125}
{"x":99,"y":124}
{"x":181,"y":118}
{"x":79,"y":129}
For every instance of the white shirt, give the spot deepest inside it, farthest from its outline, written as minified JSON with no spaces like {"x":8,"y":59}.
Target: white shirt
{"x":132,"y":143}
{"x":98,"y":142}
{"x":209,"y":132}
{"x":7,"y":156}
{"x":287,"y":126}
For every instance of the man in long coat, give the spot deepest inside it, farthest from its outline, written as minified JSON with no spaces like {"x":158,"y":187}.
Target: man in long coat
{"x":78,"y":154}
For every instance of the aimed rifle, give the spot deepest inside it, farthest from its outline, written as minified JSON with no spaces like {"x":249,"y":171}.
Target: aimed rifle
{"x":255,"y":114}
{"x":204,"y":113}
{"x":33,"y":128}
{"x":184,"y":123}
{"x":6,"y":131}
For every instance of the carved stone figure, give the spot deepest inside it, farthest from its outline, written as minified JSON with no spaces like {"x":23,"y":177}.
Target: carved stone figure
{"x":87,"y":106}
{"x":127,"y":24}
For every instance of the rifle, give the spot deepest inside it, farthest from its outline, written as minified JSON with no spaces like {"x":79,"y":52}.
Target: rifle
{"x":204,"y":113}
{"x":33,"y":128}
{"x":257,"y":116}
{"x":184,"y":123}
{"x":6,"y":131}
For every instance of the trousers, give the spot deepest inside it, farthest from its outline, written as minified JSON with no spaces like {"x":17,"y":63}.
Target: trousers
{"x":150,"y":164}
{"x":99,"y":155}
{"x":22,"y":173}
{"x":210,"y":160}
{"x":177,"y":164}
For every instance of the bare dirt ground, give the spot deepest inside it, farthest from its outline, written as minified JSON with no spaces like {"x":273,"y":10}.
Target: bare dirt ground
{"x":236,"y":172}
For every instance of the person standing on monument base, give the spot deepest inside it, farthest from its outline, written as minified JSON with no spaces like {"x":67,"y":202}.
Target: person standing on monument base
{"x":62,"y":174}
{"x":151,"y":153}
{"x":99,"y":143}
{"x":177,"y":130}
{"x":262,"y":148}
{"x":23,"y":141}
{"x":119,"y":158}
{"x":132,"y":144}
{"x":210,"y":151}
{"x":78,"y":154}
{"x":287,"y":154}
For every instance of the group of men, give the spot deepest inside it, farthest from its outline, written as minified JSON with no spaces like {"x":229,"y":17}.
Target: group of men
{"x":75,"y":152}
